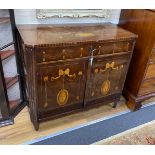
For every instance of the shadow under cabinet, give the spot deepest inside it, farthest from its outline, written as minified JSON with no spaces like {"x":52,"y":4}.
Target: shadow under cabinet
{"x":72,"y":67}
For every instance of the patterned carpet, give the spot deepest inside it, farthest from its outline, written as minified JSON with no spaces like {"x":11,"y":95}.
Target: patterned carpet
{"x":142,"y":135}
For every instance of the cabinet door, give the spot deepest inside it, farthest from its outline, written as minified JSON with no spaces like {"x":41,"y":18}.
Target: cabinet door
{"x":60,"y":87}
{"x":107,"y":77}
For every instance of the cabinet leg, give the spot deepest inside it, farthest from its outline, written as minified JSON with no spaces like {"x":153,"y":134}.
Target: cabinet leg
{"x":132,"y":105}
{"x":36,"y":126}
{"x":114,"y":104}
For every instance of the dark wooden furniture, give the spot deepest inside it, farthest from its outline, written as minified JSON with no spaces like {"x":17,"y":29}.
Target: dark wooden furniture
{"x":8,"y":47}
{"x":5,"y":119}
{"x":72,"y":67}
{"x":140,"y":82}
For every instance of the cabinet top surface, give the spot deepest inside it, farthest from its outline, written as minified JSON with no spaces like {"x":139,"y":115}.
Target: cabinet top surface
{"x":72,"y":34}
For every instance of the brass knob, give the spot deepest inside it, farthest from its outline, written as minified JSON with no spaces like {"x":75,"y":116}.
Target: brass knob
{"x":77,"y":97}
{"x":93,"y":93}
{"x":96,"y":70}
{"x":44,"y":52}
{"x":45,"y":78}
{"x":80,"y":73}
{"x":45,"y":105}
{"x":99,"y":50}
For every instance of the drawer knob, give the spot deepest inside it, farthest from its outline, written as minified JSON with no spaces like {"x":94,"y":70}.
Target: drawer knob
{"x":63,"y":52}
{"x":44,"y":56}
{"x":45,"y":78}
{"x":45,"y":81}
{"x":81,"y":52}
{"x":96,"y":70}
{"x":99,"y":51}
{"x":80,"y":73}
{"x":77,"y":97}
{"x":93,"y":93}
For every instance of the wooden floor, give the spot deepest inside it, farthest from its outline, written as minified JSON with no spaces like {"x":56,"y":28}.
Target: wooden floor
{"x":22,"y":131}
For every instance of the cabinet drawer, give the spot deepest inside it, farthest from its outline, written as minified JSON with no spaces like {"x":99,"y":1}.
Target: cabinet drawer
{"x":45,"y":54}
{"x":112,"y":47}
{"x":147,"y":87}
{"x":61,"y":85}
{"x":150,"y":73}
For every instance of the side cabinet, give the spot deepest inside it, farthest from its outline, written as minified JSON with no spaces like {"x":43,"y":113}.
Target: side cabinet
{"x":72,"y":68}
{"x":140,"y":80}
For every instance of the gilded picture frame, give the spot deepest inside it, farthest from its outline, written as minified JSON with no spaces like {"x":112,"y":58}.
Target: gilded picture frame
{"x":71,"y":13}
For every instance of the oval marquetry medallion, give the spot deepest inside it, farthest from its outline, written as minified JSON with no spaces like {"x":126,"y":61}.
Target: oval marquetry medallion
{"x":62,"y":97}
{"x":105,"y":87}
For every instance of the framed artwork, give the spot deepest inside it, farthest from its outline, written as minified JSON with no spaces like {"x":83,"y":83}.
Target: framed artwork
{"x":71,"y":13}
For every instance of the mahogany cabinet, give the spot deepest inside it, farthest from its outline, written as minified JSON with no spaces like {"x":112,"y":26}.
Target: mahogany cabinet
{"x":73,"y":67}
{"x":140,"y":81}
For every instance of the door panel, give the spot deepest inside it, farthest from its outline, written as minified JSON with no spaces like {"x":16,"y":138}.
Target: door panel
{"x":107,"y":76}
{"x":61,"y":85}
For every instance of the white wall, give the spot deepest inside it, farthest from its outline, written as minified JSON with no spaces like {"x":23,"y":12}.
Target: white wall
{"x":28,"y":16}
